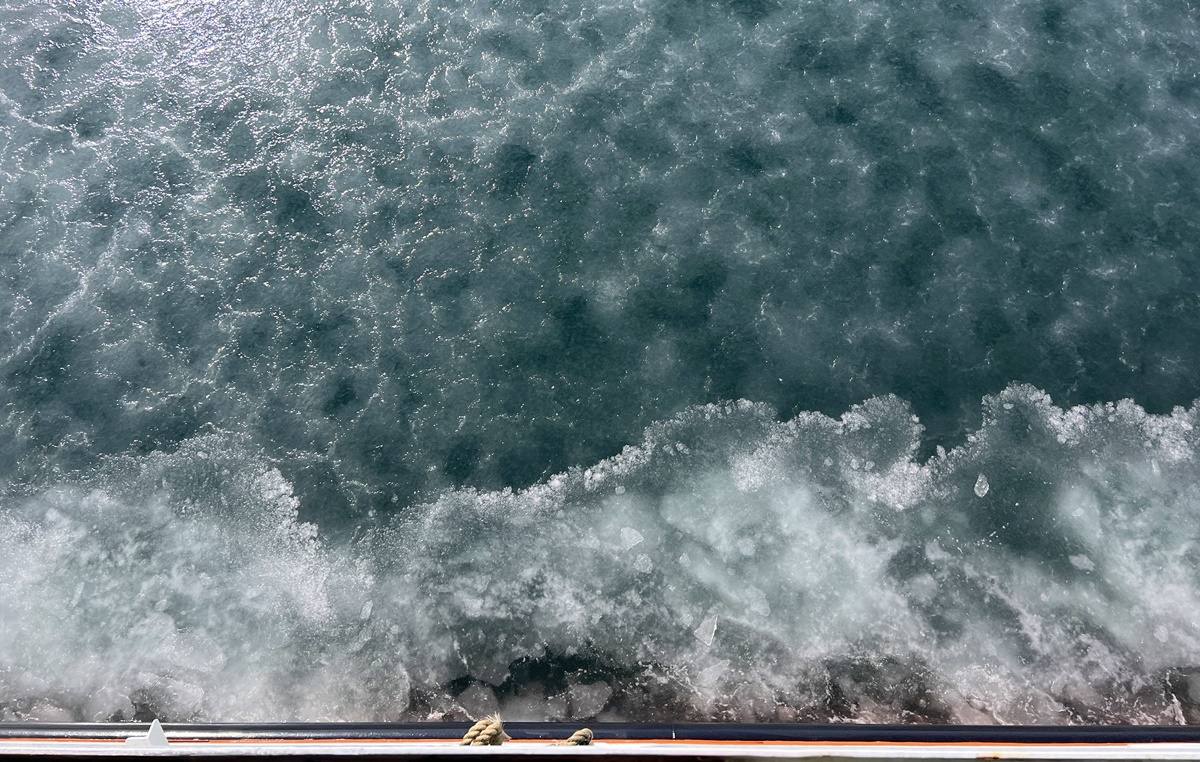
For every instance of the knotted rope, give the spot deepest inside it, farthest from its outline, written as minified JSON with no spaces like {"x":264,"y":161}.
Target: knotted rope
{"x":490,"y":732}
{"x":487,"y":732}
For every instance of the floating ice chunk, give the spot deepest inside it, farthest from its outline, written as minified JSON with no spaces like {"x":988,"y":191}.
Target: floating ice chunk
{"x":756,"y":601}
{"x":707,"y":630}
{"x":479,"y":701}
{"x":630,"y":537}
{"x":643,"y":564}
{"x":555,"y":708}
{"x":44,"y":711}
{"x":1082,"y":562}
{"x":528,"y":705}
{"x":365,"y":613}
{"x":981,"y":486}
{"x":103,"y":703}
{"x":587,"y":700}
{"x":710,"y":675}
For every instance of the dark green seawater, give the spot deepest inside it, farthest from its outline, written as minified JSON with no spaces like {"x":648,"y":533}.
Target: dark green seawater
{"x":620,"y":359}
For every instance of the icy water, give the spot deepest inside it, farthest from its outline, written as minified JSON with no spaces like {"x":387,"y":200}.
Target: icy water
{"x":619,"y":359}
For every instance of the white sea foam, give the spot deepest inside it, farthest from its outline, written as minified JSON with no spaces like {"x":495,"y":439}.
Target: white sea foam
{"x":186,"y":586}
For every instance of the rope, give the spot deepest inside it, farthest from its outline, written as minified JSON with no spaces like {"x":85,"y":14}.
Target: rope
{"x":487,"y":732}
{"x":490,"y":732}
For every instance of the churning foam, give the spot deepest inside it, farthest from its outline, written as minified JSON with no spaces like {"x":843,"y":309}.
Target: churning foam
{"x":731,"y":566}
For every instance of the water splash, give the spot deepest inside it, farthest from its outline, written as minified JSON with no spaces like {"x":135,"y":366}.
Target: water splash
{"x":776,"y":577}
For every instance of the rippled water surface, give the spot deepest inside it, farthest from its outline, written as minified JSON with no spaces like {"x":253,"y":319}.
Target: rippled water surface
{"x":621,"y":359}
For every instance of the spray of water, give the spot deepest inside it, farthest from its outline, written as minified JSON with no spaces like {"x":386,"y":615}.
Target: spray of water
{"x":730,"y":566}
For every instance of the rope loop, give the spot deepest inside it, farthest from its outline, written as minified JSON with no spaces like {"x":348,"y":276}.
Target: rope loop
{"x":487,"y":732}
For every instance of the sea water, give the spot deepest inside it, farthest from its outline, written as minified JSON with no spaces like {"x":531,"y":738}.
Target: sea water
{"x":620,"y":359}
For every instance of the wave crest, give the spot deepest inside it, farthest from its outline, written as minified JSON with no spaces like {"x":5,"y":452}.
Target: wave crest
{"x":730,"y":566}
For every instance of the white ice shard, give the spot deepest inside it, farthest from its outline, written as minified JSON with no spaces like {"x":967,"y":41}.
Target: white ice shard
{"x":707,"y":630}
